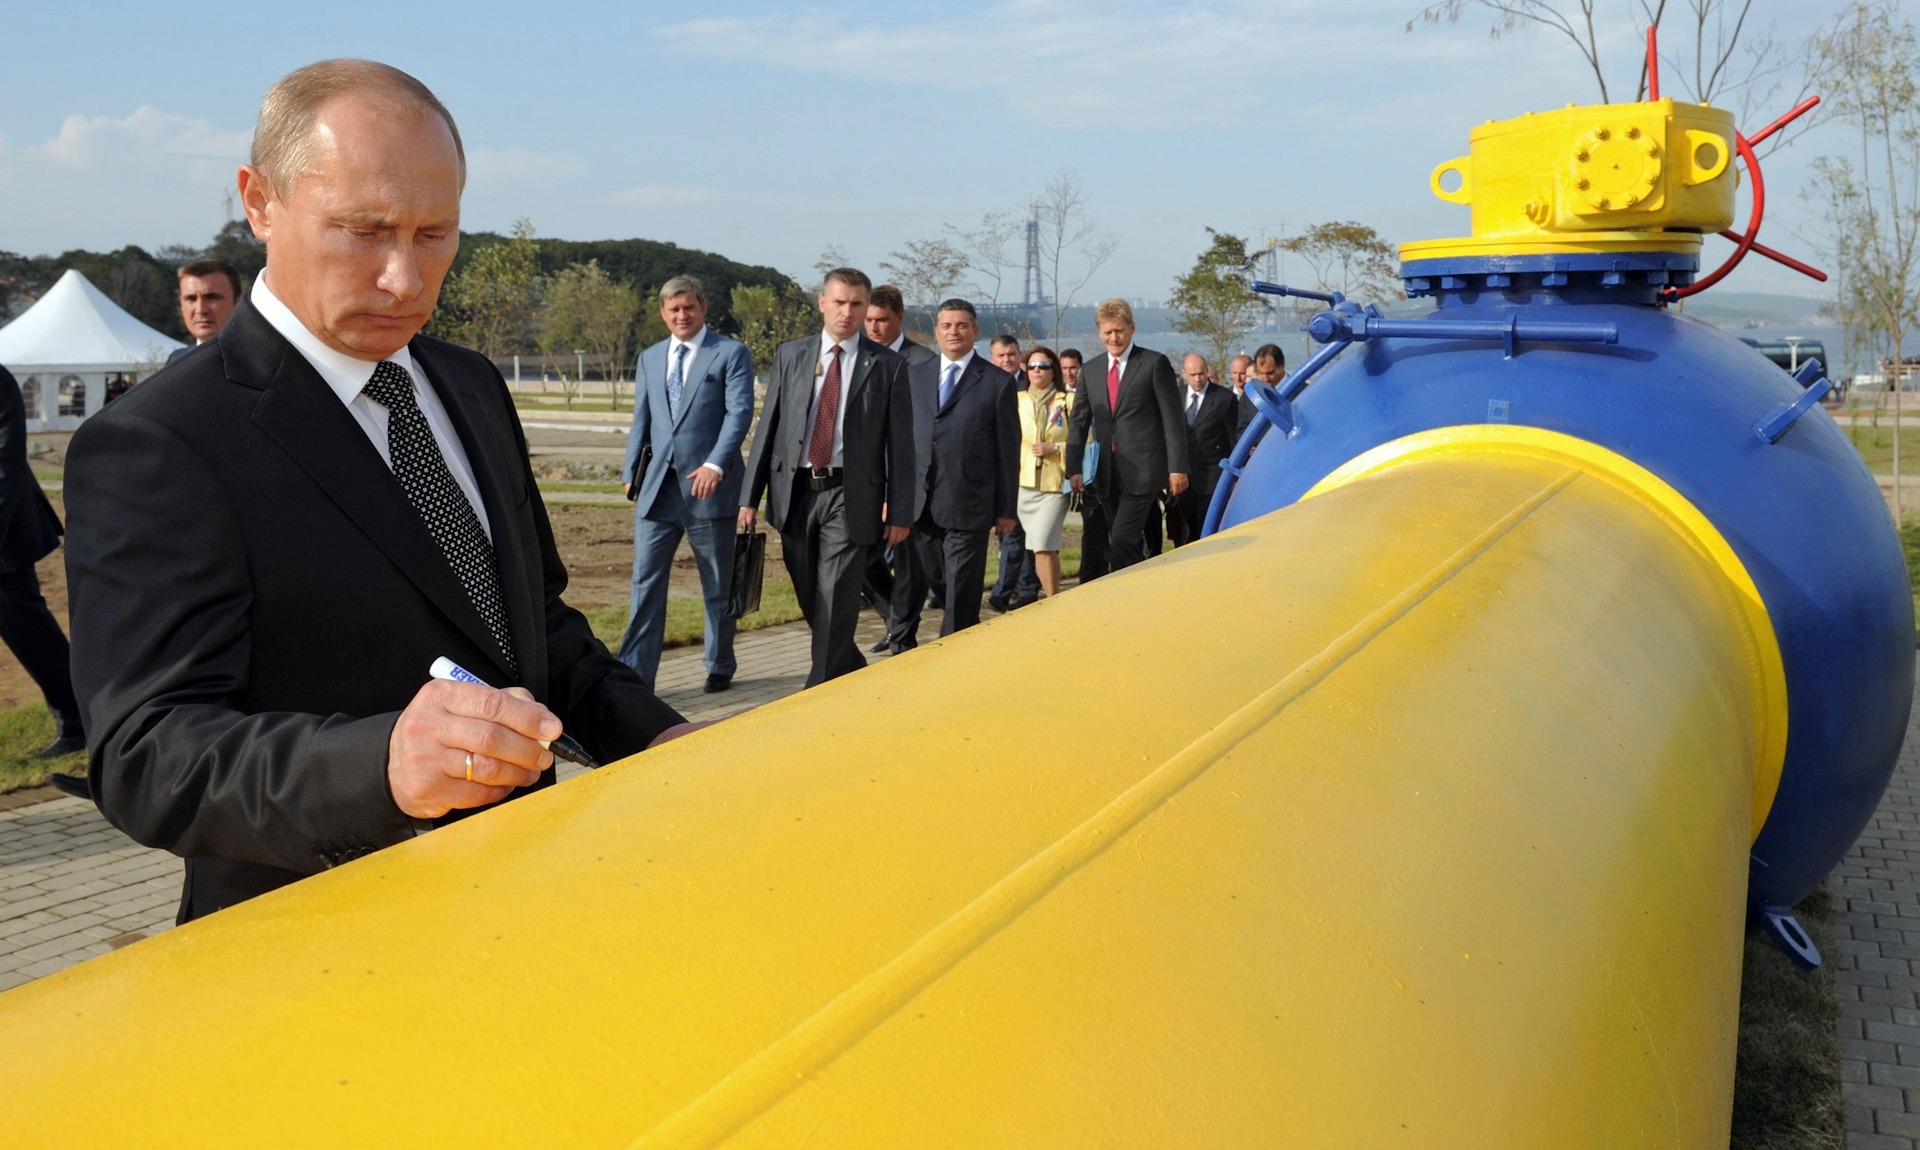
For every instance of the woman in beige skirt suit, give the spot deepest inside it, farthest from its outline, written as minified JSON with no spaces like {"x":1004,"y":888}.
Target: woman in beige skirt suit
{"x":1043,"y":471}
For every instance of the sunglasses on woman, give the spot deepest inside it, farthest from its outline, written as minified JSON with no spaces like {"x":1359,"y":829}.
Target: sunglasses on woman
{"x":1040,"y":365}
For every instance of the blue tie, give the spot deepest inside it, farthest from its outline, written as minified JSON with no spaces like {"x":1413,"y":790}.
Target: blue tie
{"x":946,"y":384}
{"x":676,"y":386}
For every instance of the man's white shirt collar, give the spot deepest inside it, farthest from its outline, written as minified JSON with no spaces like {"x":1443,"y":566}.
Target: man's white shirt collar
{"x":692,"y":345}
{"x":345,"y":375}
{"x":961,"y":363}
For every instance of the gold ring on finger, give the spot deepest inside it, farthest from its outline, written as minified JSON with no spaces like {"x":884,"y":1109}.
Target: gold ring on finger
{"x":469,"y":766}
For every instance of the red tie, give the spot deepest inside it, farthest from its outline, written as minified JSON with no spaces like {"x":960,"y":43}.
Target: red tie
{"x":820,"y":440}
{"x":1113,"y":384}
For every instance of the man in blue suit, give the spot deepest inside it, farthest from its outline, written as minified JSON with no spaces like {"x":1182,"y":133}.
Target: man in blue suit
{"x":693,"y":404}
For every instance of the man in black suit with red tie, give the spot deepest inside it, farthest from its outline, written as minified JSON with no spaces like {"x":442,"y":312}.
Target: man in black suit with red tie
{"x":1130,"y":406}
{"x":967,"y":435}
{"x":1211,"y":413}
{"x":272,"y":541}
{"x":833,"y":453}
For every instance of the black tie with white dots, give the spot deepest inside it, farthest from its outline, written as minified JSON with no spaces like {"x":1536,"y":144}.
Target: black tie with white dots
{"x":430,"y":487}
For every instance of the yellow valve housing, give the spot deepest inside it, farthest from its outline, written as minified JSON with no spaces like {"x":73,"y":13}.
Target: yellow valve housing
{"x":1598,"y":178}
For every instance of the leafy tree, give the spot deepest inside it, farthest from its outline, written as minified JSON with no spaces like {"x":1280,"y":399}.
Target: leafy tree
{"x":235,"y":243}
{"x":489,"y":304}
{"x":584,"y":308}
{"x":925,"y":271}
{"x":1869,"y":62}
{"x":769,"y":318}
{"x":1349,"y":258}
{"x":1215,"y":299}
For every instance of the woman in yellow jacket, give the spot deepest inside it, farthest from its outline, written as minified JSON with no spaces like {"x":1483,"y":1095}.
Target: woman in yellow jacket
{"x":1043,"y":469}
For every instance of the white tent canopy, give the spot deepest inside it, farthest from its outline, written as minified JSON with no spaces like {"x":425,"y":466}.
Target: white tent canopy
{"x":73,"y":348}
{"x":75,"y":327}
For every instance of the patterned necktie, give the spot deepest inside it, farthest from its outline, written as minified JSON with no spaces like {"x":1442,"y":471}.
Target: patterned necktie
{"x":1113,"y":384}
{"x":1193,"y":407}
{"x":423,"y":475}
{"x":676,"y":382}
{"x":946,"y":384}
{"x":827,"y":416}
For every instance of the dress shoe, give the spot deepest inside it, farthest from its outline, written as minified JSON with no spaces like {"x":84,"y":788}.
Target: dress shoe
{"x":880,"y":648}
{"x":1019,"y":603}
{"x":64,"y":745}
{"x":903,"y":648}
{"x":72,"y":785}
{"x":1000,"y":603}
{"x":717,"y":683}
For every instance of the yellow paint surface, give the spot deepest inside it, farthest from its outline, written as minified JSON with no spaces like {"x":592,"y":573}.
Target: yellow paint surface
{"x":1412,"y":815}
{"x":1649,"y":176}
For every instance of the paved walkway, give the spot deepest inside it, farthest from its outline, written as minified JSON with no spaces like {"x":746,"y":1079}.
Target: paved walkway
{"x":71,"y":886}
{"x":1877,"y":966}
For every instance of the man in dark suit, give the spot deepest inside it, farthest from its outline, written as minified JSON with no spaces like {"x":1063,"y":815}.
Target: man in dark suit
{"x":271,"y":542}
{"x":1018,"y":582}
{"x":29,"y":531}
{"x":833,"y":454}
{"x":1093,"y":517}
{"x":1211,"y":413}
{"x":894,"y":572}
{"x":1129,"y":405}
{"x":693,"y":403}
{"x":209,"y":290}
{"x":967,"y":430}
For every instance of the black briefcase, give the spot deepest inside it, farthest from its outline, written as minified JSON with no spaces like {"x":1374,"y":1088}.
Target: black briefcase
{"x":749,"y":569}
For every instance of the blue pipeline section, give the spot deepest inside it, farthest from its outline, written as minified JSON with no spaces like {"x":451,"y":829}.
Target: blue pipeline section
{"x":1581,"y":346}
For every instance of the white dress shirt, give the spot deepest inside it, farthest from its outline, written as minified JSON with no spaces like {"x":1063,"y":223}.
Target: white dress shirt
{"x":849,"y":356}
{"x":347,"y":376}
{"x":674,"y":344}
{"x":898,"y":340}
{"x":946,"y":363}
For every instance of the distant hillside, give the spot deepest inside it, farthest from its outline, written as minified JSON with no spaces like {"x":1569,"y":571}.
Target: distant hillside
{"x":143,"y":282}
{"x":646,"y":264}
{"x":1737,"y":308}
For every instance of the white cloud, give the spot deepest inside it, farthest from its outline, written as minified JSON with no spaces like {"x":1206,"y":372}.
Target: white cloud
{"x":147,"y":134}
{"x":152,"y":177}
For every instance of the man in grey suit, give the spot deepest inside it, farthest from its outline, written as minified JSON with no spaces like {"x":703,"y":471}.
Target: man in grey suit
{"x":693,"y":403}
{"x":834,"y":447}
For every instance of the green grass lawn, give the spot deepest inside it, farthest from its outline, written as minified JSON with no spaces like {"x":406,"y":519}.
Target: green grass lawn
{"x":23,"y":731}
{"x":535,"y":404}
{"x":1875,"y":445}
{"x":1786,"y":1082}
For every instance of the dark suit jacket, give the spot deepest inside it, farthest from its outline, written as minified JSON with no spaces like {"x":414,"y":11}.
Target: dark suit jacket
{"x":971,"y":446}
{"x":877,"y":434}
{"x":254,"y":600}
{"x":29,"y":530}
{"x":1144,"y":440}
{"x":1212,"y":436}
{"x":916,"y":352}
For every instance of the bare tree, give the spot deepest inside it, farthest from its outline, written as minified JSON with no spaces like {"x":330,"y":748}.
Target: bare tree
{"x":1714,"y":53}
{"x":832,"y":256}
{"x":1869,"y":61}
{"x":925,"y":271}
{"x":989,"y":252}
{"x":1073,"y":245}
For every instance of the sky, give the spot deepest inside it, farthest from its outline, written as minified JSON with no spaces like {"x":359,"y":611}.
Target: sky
{"x":769,"y":131}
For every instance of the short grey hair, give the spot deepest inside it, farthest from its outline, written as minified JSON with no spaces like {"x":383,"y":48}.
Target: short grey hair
{"x":682,"y":285}
{"x":283,"y":136}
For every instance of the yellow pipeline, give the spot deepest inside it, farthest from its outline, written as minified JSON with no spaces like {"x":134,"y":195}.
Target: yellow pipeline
{"x":1413,"y":815}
